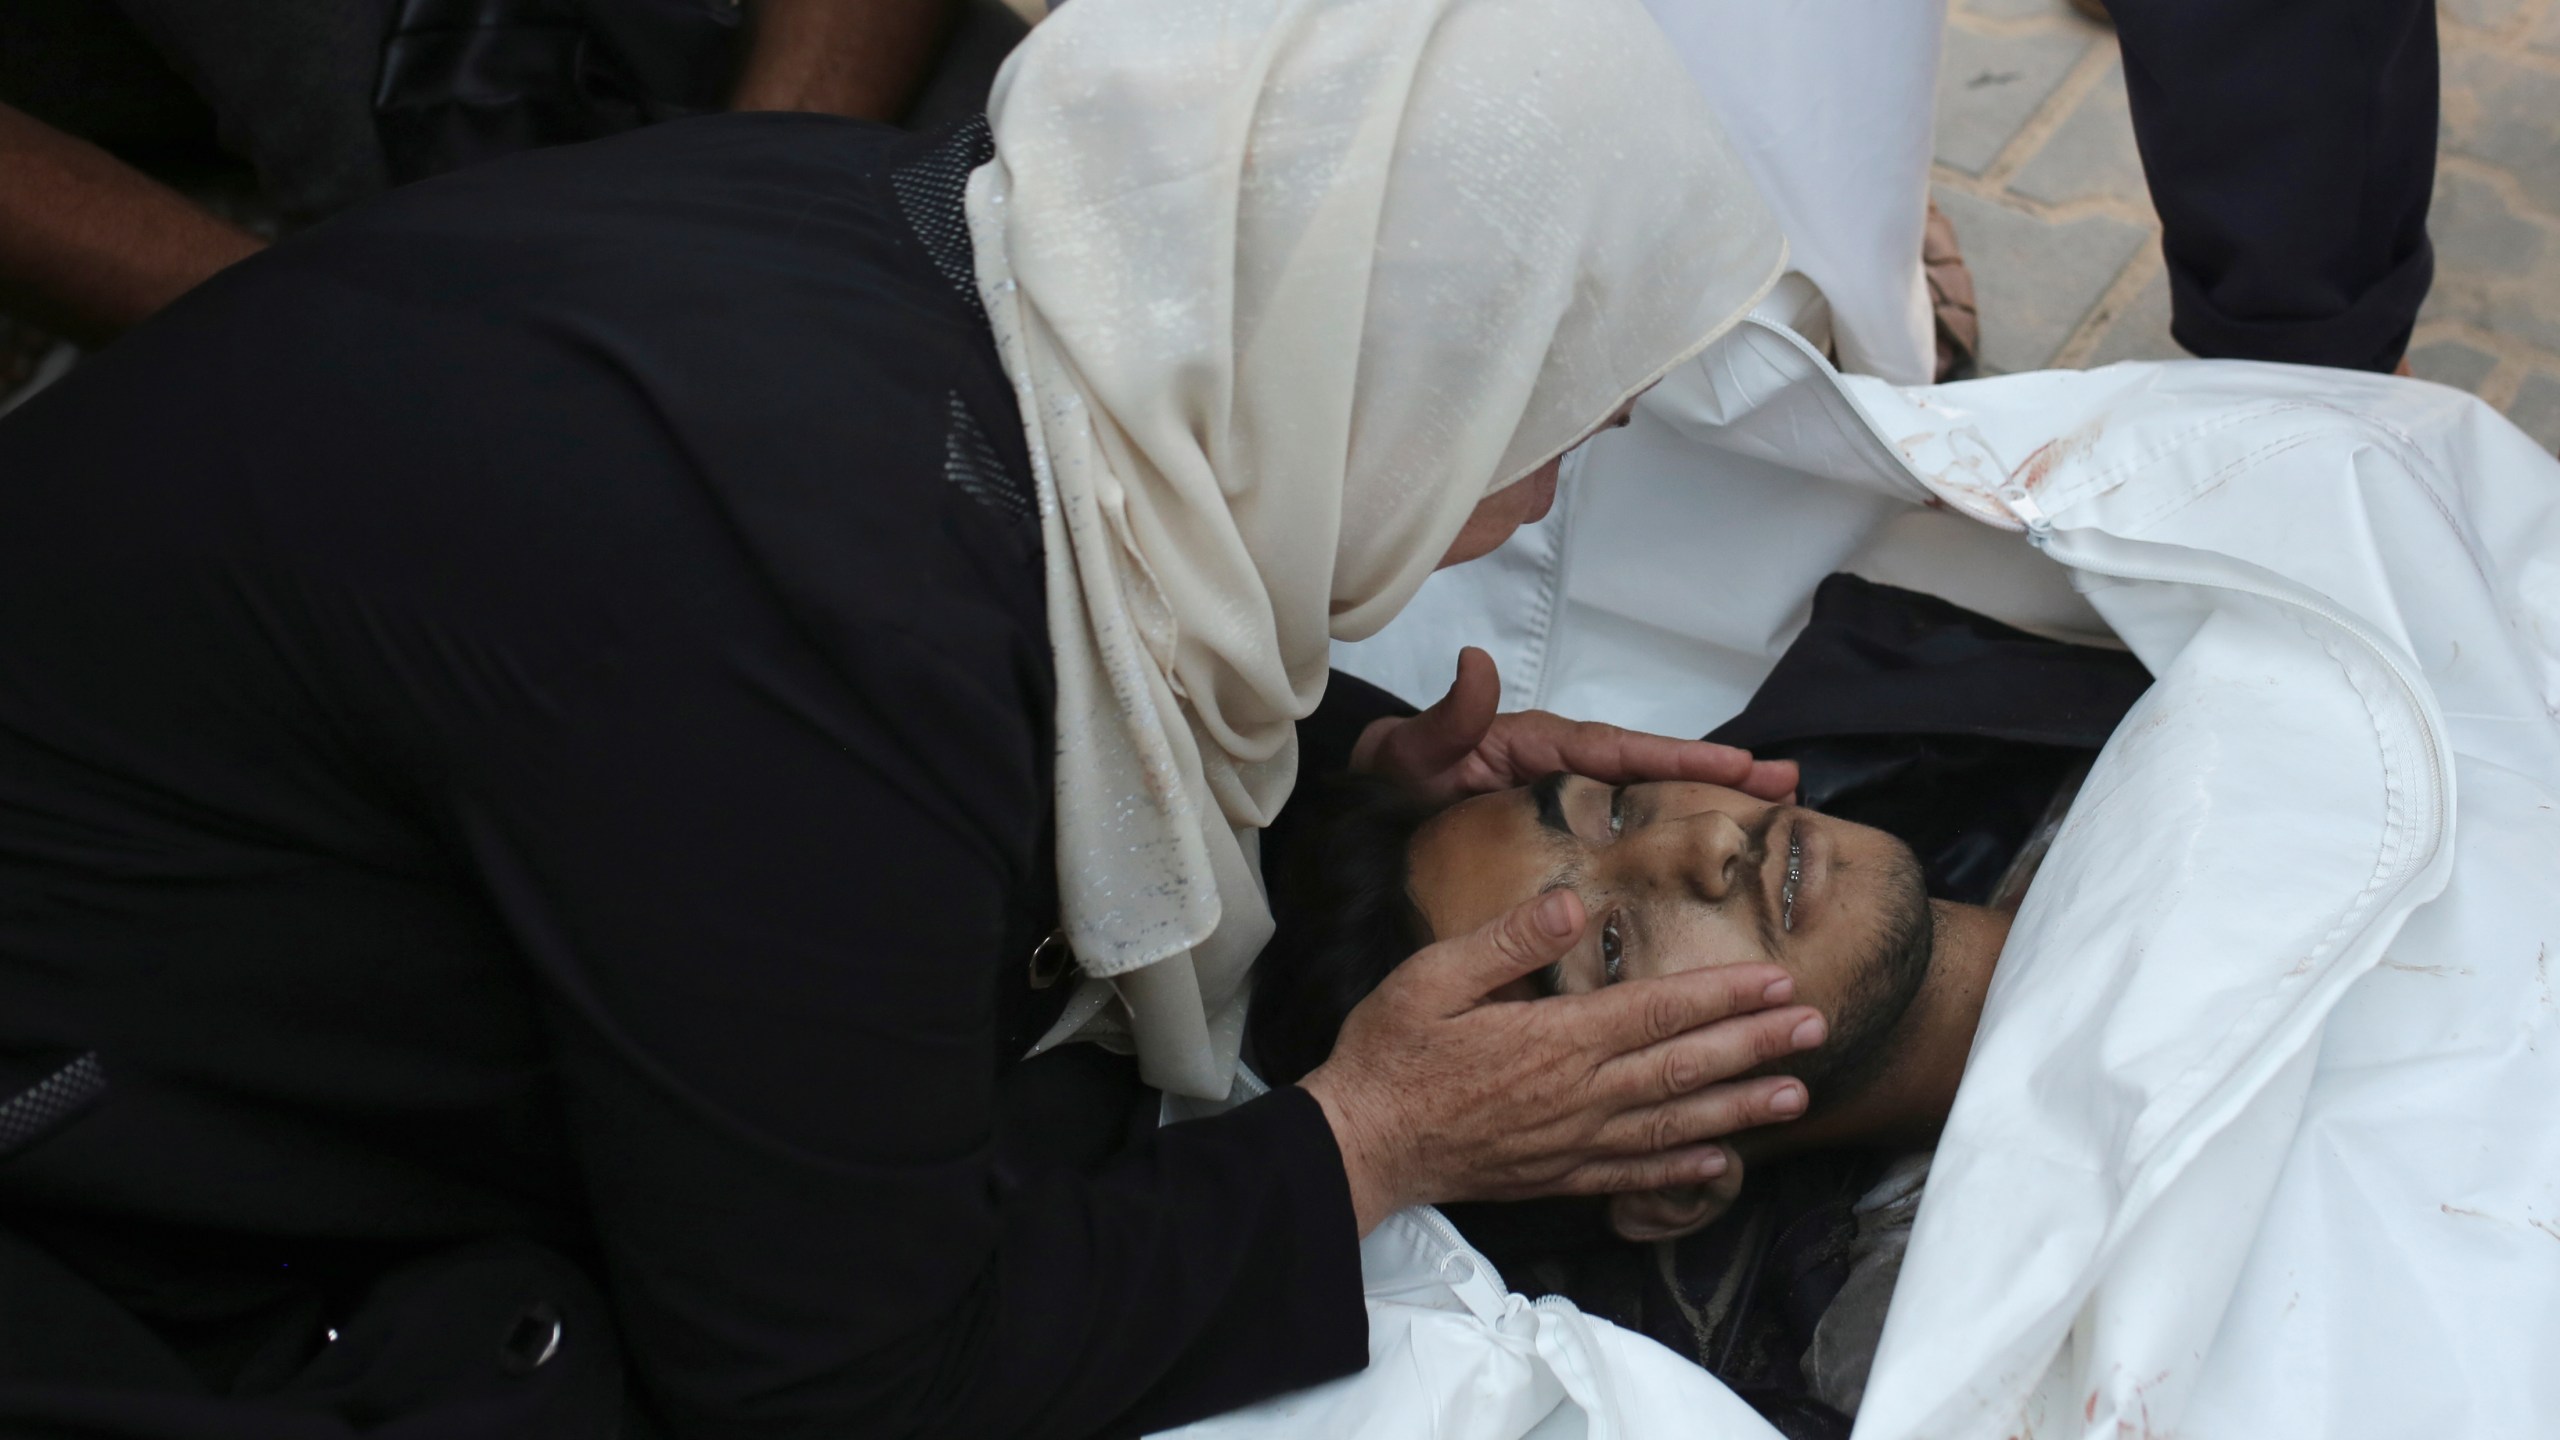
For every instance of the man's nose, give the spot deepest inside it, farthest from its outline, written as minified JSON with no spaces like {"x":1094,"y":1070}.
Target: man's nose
{"x":1706,"y":852}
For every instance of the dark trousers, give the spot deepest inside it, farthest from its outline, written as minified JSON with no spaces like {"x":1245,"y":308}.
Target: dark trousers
{"x":2290,"y":146}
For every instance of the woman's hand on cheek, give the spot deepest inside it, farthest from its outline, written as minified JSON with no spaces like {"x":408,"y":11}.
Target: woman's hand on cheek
{"x":1436,"y":1092}
{"x":1463,"y":746}
{"x":1642,"y":1217}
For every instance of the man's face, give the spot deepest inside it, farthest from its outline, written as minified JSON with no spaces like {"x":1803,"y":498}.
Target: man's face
{"x":1675,"y":876}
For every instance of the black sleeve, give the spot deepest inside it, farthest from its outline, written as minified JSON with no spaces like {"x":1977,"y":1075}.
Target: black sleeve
{"x":1325,"y":739}
{"x":605,"y":493}
{"x":765,"y":905}
{"x":1349,"y":705}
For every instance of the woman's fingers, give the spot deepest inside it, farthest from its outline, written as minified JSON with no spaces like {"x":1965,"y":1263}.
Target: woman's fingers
{"x":1709,"y":1053}
{"x":1687,"y":1165}
{"x":1627,"y":1018}
{"x":1435,"y":1095}
{"x":1615,"y":756}
{"x":1457,"y":975}
{"x":1532,"y":742}
{"x":1708,"y":1114}
{"x":1474,"y":698}
{"x":1420,"y":749}
{"x":1771,"y":780}
{"x":1462,"y":746}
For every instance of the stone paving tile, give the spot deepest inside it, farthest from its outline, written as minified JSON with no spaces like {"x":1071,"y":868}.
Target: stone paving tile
{"x":2141,"y":330}
{"x":2022,"y":9}
{"x":2092,"y":156}
{"x":2495,"y":269}
{"x":2536,"y":410}
{"x":2505,"y":111}
{"x":1988,"y":86}
{"x":2451,"y":362}
{"x":2484,"y":14}
{"x":2035,"y":280}
{"x":2495,"y":220}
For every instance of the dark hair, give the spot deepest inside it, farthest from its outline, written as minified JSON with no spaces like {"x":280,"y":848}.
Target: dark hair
{"x":1345,"y":918}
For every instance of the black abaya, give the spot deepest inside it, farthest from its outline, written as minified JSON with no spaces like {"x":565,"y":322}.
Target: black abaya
{"x":523,"y":723}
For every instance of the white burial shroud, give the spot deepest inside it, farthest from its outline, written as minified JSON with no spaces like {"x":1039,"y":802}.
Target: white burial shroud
{"x":2259,"y":1137}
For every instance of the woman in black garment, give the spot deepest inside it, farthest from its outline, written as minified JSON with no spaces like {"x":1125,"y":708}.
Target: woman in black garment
{"x":555,"y":733}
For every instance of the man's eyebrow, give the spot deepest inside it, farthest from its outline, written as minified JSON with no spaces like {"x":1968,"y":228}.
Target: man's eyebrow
{"x":1548,"y":791}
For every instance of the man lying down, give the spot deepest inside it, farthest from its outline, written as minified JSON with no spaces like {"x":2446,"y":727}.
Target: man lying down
{"x":1961,"y":739}
{"x":1673,"y":876}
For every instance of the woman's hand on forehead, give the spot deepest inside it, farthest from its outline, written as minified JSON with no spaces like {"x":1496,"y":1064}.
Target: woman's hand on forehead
{"x":1437,"y":1090}
{"x":1464,"y":745}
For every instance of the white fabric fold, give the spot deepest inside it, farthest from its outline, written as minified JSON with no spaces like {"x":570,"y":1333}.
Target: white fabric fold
{"x":1285,"y":287}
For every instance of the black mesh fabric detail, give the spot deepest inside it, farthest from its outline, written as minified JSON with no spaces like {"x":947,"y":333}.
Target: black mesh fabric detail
{"x":931,"y":190}
{"x":38,"y":1110}
{"x":970,"y":461}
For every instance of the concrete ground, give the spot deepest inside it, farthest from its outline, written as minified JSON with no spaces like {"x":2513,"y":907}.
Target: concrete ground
{"x":2036,"y":166}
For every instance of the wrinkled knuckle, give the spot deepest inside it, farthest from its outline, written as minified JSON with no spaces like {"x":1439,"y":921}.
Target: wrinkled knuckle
{"x":1663,"y":1130}
{"x":1773,"y":1038}
{"x":1512,"y":942}
{"x":1592,"y":1180}
{"x":1683,"y":1070}
{"x":1664,"y":1016}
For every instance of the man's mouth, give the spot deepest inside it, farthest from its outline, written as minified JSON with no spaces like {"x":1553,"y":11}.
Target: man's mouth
{"x":1795,"y":878}
{"x":1794,"y":863}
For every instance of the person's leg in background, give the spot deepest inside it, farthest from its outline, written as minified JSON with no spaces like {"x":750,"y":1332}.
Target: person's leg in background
{"x":2290,"y":147}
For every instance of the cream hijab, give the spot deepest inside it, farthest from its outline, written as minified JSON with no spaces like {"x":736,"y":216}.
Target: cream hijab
{"x":1284,"y":288}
